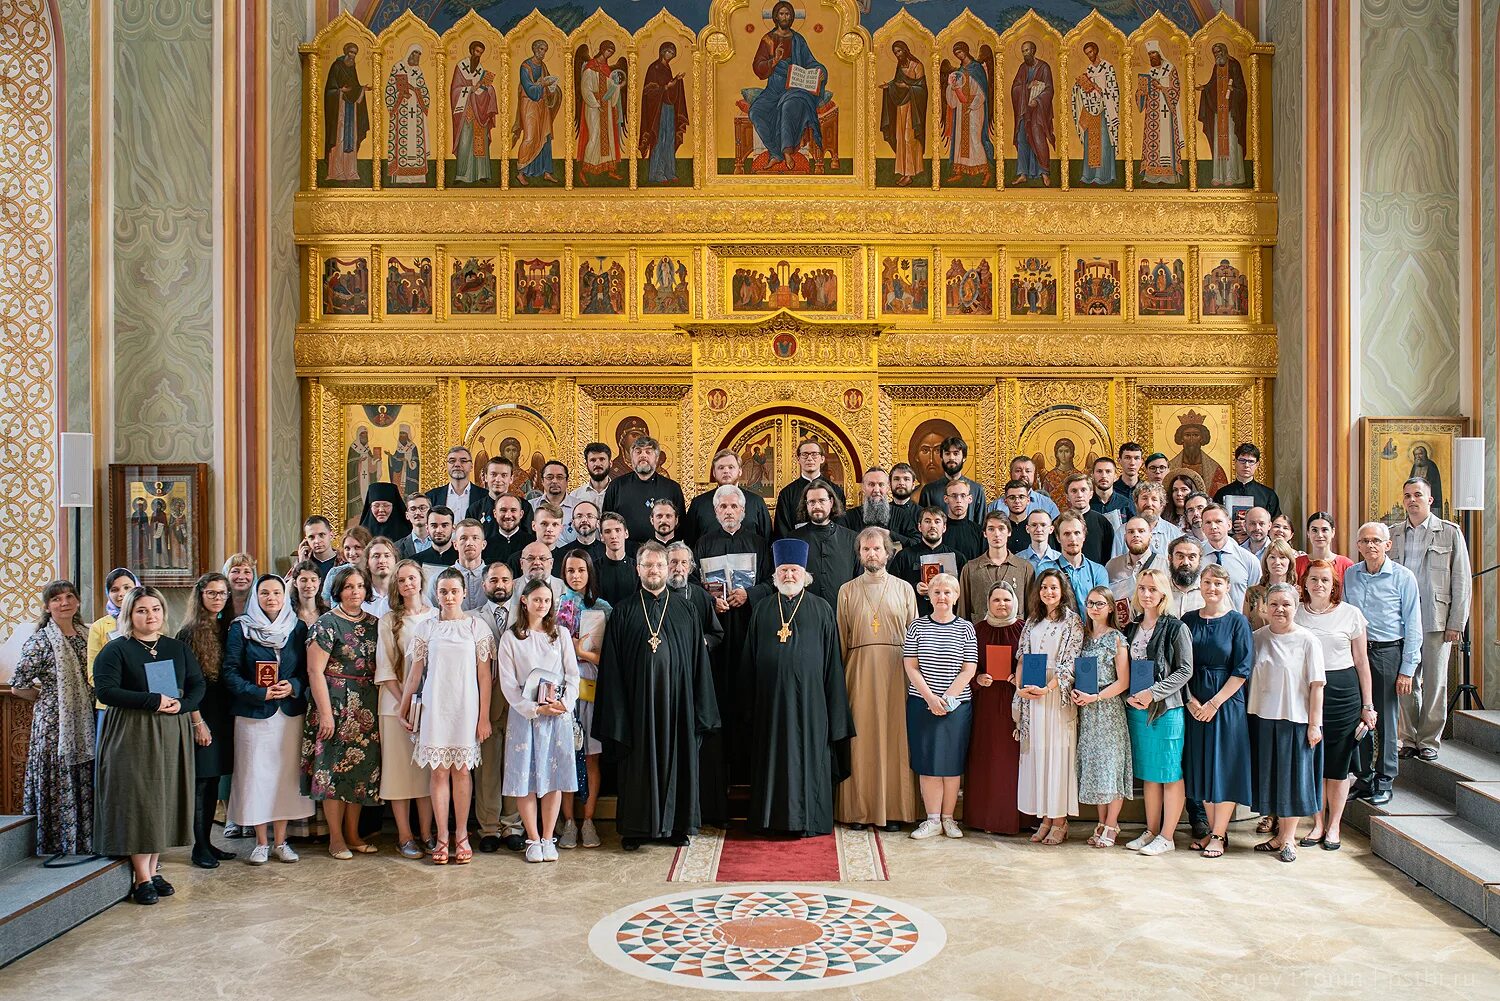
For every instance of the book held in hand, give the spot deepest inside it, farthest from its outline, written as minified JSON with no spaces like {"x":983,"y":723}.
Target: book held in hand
{"x":1142,"y":675}
{"x":999,"y":662}
{"x":1033,"y":670}
{"x":161,"y":678}
{"x":266,"y":672}
{"x":1086,"y":675}
{"x":936,"y":563}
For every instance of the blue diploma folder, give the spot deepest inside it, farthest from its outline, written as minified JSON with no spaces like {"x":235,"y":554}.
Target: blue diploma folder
{"x":1086,"y":675}
{"x":1034,"y":670}
{"x":1142,"y":675}
{"x":161,"y":678}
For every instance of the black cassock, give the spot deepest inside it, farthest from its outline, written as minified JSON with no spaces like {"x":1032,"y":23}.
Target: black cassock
{"x":702,"y":519}
{"x":654,"y":707}
{"x":800,"y":719}
{"x":832,"y":558}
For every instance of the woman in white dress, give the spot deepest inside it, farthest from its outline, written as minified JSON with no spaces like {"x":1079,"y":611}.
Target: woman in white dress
{"x":450,"y":665}
{"x":538,"y":671}
{"x":402,"y":780}
{"x":583,"y":613}
{"x":1046,"y":718}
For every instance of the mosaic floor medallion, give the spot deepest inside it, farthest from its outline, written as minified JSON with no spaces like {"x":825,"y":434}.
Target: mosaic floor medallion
{"x":775,"y":938}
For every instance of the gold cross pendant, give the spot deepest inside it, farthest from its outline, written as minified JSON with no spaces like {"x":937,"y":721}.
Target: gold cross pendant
{"x":654,"y":643}
{"x":785,"y":632}
{"x":874,"y":623}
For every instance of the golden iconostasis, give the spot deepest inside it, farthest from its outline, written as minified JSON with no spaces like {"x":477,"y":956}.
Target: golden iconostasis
{"x":531,"y":240}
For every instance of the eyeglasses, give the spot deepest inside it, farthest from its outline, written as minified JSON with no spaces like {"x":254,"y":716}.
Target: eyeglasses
{"x":1096,"y":603}
{"x":215,"y":594}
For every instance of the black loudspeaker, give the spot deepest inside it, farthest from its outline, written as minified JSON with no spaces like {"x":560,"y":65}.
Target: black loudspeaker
{"x":75,"y":486}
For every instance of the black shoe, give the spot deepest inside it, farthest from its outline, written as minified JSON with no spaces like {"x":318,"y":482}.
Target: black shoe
{"x":515,"y":842}
{"x":203,"y":859}
{"x":1380,"y":797}
{"x":1331,"y":846}
{"x":1360,"y":789}
{"x":679,"y":840}
{"x":145,"y":893}
{"x":892,"y":827}
{"x":859,"y":827}
{"x":1428,"y":754}
{"x":221,"y":854}
{"x":163,"y":888}
{"x":631,"y":844}
{"x":1407,"y":752}
{"x":489,"y":843}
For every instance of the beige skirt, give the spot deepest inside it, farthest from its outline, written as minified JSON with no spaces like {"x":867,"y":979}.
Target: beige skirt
{"x":400,"y":776}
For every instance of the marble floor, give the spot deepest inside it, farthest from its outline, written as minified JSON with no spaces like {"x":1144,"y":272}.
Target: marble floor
{"x":1022,"y":921}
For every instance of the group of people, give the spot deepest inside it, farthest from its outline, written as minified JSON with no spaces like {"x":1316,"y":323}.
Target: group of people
{"x":468,"y":651}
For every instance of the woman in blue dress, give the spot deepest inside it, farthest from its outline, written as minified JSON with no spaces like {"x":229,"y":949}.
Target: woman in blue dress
{"x":1216,"y":762}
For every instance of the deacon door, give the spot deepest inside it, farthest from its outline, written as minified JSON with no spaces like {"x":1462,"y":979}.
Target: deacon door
{"x":767,"y":440}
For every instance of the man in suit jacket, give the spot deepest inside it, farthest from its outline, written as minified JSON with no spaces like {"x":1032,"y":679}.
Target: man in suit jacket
{"x":458,"y":493}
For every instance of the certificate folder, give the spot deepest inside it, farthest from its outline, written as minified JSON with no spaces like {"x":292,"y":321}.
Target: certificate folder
{"x":161,"y":678}
{"x":1034,"y":670}
{"x":1086,"y":675}
{"x":1142,"y":675}
{"x":999,"y":662}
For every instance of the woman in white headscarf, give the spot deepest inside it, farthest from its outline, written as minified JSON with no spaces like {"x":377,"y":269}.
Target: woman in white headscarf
{"x":265,"y":670}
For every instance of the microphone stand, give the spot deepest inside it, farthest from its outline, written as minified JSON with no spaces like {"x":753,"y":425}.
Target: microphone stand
{"x":1467,"y":692}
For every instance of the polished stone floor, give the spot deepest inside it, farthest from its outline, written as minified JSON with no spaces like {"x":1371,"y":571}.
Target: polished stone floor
{"x":1022,"y":921}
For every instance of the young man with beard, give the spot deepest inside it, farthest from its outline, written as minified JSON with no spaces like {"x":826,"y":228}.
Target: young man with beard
{"x":585,"y":534}
{"x":1083,"y":573}
{"x":1184,"y":558}
{"x":800,"y":720}
{"x":499,"y":473}
{"x":506,"y":537}
{"x":1099,"y":538}
{"x":417,"y":506}
{"x":1138,"y":554}
{"x":596,"y":460}
{"x":701,"y":515}
{"x":978,"y":576}
{"x":953,"y":454}
{"x":617,"y":576}
{"x":664,"y":523}
{"x":907,"y":565}
{"x":904,"y":508}
{"x":548,"y":532}
{"x":961,"y":534}
{"x":1017,"y":506}
{"x":654,"y":703}
{"x":498,"y":819}
{"x":873,"y":612}
{"x":789,"y":500}
{"x":440,"y":531}
{"x":380,"y":563}
{"x":877,"y":511}
{"x":634,"y":496}
{"x":830,"y":558}
{"x":1113,"y":504}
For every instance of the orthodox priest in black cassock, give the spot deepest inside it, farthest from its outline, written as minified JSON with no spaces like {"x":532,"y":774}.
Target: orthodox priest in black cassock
{"x":800,"y":719}
{"x":731,"y":558}
{"x":654,"y":703}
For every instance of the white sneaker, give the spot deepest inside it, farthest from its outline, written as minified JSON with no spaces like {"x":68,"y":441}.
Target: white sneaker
{"x":951,"y":828}
{"x":534,"y":852}
{"x":259,"y":855}
{"x":549,"y":850}
{"x":1141,"y":842}
{"x":927,"y":829}
{"x":284,"y":853}
{"x":231,"y":830}
{"x":589,"y":835}
{"x":1160,"y":846}
{"x":568,"y":838}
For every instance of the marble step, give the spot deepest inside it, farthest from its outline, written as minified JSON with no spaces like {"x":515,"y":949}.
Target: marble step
{"x":1450,"y":856}
{"x":1479,"y":804}
{"x":1407,"y":800}
{"x":1479,"y":727}
{"x":17,"y":839}
{"x":1457,"y":762}
{"x":38,"y":904}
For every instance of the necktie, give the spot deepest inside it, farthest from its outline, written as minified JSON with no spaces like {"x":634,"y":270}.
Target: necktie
{"x":1219,"y":557}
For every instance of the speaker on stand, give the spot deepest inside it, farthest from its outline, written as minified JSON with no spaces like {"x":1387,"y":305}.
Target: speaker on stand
{"x":1468,"y":497}
{"x":75,"y":487}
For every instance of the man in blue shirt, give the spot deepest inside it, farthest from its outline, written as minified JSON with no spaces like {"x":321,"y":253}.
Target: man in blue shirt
{"x":1083,"y":574}
{"x":1386,"y":592}
{"x":1023,"y":468}
{"x":1040,"y":553}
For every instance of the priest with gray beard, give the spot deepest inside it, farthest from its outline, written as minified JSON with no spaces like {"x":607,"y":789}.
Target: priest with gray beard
{"x":875,"y":510}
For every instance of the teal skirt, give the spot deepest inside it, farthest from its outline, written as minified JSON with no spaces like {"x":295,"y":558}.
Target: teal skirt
{"x":1156,"y":746}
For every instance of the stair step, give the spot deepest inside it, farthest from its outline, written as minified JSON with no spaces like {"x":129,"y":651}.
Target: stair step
{"x":1479,"y":727}
{"x":1450,"y":856}
{"x":17,"y":839}
{"x":1457,"y":762}
{"x":1407,"y":800}
{"x":38,"y":904}
{"x":1479,"y":804}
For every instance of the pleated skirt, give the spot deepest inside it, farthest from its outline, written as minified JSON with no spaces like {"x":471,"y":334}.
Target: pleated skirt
{"x":1288,"y":773}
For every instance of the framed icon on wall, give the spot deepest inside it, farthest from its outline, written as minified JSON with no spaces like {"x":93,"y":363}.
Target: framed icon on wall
{"x":160,"y":521}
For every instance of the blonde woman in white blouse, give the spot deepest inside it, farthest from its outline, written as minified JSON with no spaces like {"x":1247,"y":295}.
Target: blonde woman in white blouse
{"x":402,"y":780}
{"x":450,"y":665}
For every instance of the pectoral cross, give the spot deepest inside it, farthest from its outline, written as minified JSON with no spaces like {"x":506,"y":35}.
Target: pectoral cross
{"x":656,"y":643}
{"x":874,"y":623}
{"x":785,"y":632}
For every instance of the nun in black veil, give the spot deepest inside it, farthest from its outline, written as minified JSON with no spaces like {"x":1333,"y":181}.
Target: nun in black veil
{"x":385,"y":512}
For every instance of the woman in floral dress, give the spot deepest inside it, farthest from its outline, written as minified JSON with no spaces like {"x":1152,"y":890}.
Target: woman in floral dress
{"x":59,"y":787}
{"x":1104,"y":768}
{"x":341,"y":739}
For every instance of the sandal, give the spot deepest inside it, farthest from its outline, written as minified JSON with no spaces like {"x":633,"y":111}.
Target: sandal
{"x":1041,"y":833}
{"x":1093,"y":841}
{"x":1057,"y":835}
{"x":1310,"y":841}
{"x":1266,"y":823}
{"x":463,"y":854}
{"x":1209,"y":851}
{"x":343,"y":854}
{"x":1270,"y":847}
{"x":1107,"y":839}
{"x":364,"y":849}
{"x":440,"y":853}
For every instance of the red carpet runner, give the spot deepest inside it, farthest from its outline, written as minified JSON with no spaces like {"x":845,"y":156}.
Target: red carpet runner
{"x":743,"y":856}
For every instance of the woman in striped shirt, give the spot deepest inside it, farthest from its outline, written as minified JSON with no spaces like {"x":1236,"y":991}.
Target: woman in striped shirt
{"x":940,"y":655}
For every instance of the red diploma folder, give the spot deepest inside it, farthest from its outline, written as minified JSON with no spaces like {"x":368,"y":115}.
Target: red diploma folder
{"x":999,"y":662}
{"x":265,"y":673}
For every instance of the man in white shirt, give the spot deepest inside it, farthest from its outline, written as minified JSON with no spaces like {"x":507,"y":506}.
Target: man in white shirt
{"x":1040,"y":553}
{"x":1150,"y":501}
{"x":458,"y":492}
{"x":596,"y":460}
{"x":1220,"y":549}
{"x":1257,"y":532}
{"x":468,"y":540}
{"x":496,"y":827}
{"x":536,"y":564}
{"x":1183,"y":557}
